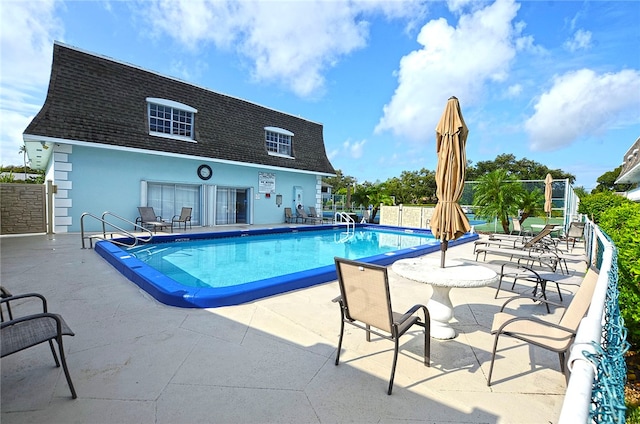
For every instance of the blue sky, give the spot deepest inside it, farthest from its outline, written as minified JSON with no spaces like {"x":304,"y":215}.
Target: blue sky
{"x":554,"y":82}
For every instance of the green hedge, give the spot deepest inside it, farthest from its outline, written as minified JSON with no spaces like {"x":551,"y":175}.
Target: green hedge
{"x":622,"y":224}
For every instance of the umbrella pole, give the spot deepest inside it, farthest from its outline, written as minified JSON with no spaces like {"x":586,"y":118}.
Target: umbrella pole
{"x":443,"y":249}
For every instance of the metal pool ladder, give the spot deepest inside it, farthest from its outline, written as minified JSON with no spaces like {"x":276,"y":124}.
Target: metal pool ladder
{"x":350,"y":225}
{"x":114,"y":230}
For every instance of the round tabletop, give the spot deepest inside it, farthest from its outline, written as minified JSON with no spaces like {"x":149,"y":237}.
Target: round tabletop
{"x":456,"y":273}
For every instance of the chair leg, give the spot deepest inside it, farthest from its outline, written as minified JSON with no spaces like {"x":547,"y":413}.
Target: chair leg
{"x":493,"y":359}
{"x":368,"y":332}
{"x":427,"y":344}
{"x":340,"y":341}
{"x":65,"y":368}
{"x":393,"y":367}
{"x":559,"y":292}
{"x":53,"y":351}
{"x":499,"y":285}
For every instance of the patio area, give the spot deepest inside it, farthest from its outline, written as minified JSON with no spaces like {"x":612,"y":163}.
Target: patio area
{"x":134,"y":359}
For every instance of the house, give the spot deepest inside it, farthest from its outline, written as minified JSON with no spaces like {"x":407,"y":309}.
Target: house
{"x":630,"y":172}
{"x":113,"y":136}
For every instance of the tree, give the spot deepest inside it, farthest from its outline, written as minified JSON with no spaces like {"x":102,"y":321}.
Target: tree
{"x":607,"y":182}
{"x":413,"y":187}
{"x":531,"y":204}
{"x":580,"y":191}
{"x":374,"y":195}
{"x":523,"y":169}
{"x":340,"y":181}
{"x":23,"y":150}
{"x":498,"y":195}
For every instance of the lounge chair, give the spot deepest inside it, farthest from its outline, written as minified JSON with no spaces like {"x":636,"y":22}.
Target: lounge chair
{"x":518,"y":229}
{"x":366,"y":216}
{"x":549,"y":335}
{"x":314,"y":214}
{"x":302,"y":215}
{"x":365,"y":302}
{"x":288,"y":216}
{"x":183,"y":218}
{"x":148,"y":218}
{"x":575,"y":233}
{"x":23,"y":332}
{"x":519,"y":242}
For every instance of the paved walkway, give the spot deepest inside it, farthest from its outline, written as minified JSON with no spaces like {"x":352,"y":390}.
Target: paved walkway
{"x":134,"y":360}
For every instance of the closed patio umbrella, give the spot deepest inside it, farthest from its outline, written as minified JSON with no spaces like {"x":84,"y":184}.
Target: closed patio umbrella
{"x":449,"y":221}
{"x":547,"y":194}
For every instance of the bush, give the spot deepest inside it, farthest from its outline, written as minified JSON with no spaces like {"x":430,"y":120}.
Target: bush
{"x":594,"y":205}
{"x":622,"y":224}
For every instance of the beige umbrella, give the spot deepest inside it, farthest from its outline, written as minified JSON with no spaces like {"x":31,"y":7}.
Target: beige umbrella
{"x":449,"y":221}
{"x":547,"y":194}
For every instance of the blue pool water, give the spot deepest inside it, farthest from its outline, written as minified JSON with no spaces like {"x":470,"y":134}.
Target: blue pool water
{"x":227,"y":268}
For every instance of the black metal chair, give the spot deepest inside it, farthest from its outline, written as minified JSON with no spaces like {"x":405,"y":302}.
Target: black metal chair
{"x":365,"y":302}
{"x":20,"y":333}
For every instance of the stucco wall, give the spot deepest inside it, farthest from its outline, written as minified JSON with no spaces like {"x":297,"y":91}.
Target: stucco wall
{"x":22,"y":208}
{"x":96,"y":180}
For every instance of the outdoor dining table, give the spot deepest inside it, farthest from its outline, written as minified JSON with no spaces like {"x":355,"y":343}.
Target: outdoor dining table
{"x":456,"y":273}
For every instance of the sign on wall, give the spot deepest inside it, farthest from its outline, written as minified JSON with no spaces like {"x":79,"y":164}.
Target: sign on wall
{"x":266,"y":182}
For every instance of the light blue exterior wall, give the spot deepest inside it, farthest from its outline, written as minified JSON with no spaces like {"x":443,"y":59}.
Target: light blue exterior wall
{"x":96,"y":180}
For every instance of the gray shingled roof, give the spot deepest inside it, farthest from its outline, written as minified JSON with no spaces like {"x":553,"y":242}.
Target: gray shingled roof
{"x":96,"y":99}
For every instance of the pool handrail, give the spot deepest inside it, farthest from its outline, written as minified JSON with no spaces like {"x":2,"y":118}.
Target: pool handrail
{"x":104,"y":222}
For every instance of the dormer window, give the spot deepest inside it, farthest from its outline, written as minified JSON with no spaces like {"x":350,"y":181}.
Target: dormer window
{"x":278,"y":141}
{"x":170,"y":119}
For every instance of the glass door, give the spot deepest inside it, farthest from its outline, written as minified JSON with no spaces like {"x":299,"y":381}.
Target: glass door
{"x":167,"y":200}
{"x":232,"y":206}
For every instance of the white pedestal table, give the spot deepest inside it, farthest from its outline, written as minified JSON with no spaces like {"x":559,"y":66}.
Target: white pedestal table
{"x":456,"y":273}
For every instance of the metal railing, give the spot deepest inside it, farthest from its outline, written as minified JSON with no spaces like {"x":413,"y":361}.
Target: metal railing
{"x":595,"y":391}
{"x":121,"y":231}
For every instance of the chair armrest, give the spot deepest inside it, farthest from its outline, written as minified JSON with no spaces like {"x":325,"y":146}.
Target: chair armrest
{"x":9,"y":299}
{"x":56,"y":317}
{"x":175,"y":217}
{"x":412,"y":311}
{"x":535,"y":298}
{"x":533,"y":319}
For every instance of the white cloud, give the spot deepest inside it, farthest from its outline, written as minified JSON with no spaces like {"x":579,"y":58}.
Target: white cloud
{"x":581,"y":104}
{"x":292,"y":43}
{"x":514,"y":90}
{"x":27,"y":29}
{"x":355,"y":149}
{"x":581,"y":41}
{"x":455,"y":61}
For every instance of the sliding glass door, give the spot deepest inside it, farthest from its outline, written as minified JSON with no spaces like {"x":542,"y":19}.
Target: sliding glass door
{"x":168,"y":200}
{"x":231,"y":206}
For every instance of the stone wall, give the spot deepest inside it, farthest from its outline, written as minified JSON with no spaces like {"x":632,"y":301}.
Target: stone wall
{"x":22,"y":208}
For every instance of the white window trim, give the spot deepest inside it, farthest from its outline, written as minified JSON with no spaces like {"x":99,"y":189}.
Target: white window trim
{"x":171,"y":103}
{"x":284,"y":132}
{"x":174,"y":105}
{"x":279,"y":131}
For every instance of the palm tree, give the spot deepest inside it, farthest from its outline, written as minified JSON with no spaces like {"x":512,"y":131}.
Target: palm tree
{"x":372,"y":195}
{"x":23,"y":150}
{"x":498,"y":195}
{"x":532,"y":204}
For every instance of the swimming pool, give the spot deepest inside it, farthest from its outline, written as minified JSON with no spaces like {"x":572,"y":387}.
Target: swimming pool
{"x":232,"y":267}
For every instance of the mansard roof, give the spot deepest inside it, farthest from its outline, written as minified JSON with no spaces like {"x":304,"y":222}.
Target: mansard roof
{"x":96,"y":99}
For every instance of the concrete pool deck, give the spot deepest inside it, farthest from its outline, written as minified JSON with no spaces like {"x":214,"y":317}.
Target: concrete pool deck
{"x":135,"y":360}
